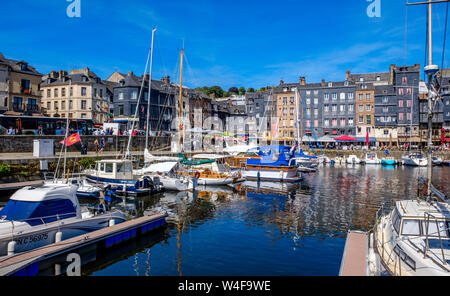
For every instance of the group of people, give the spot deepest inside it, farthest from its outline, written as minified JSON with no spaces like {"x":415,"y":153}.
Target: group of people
{"x":99,"y":145}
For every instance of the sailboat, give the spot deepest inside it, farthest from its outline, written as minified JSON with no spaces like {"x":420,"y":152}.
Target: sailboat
{"x":413,"y":238}
{"x":118,"y":173}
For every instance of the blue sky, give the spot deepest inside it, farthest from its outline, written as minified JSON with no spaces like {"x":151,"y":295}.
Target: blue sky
{"x":251,"y":43}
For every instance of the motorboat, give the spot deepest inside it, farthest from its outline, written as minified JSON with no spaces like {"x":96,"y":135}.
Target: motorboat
{"x":437,"y":160}
{"x":415,"y":159}
{"x":372,"y":158}
{"x":352,"y":159}
{"x":118,"y":173}
{"x":340,"y":159}
{"x":304,"y":160}
{"x":37,"y":216}
{"x":324,"y":159}
{"x":388,"y":161}
{"x":85,"y":190}
{"x":167,"y":174}
{"x":412,"y":239}
{"x":277,"y":163}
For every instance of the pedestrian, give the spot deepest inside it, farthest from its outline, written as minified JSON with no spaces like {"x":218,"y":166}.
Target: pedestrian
{"x":11,"y":131}
{"x":102,"y":144}
{"x":97,"y":146}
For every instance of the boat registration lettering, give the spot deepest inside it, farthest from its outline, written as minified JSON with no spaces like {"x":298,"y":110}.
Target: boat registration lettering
{"x":32,"y":239}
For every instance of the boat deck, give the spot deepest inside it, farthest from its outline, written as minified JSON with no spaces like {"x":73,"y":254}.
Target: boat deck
{"x":354,"y":259}
{"x":27,"y":263}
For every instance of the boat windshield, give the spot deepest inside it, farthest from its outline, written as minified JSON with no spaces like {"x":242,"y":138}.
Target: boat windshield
{"x":35,"y":213}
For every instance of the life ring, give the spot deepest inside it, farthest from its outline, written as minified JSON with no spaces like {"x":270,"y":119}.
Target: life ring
{"x":197,"y":175}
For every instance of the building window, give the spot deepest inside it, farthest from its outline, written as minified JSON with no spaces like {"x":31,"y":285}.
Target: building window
{"x":70,"y":104}
{"x":83,"y":104}
{"x":308,"y":101}
{"x":326,"y":108}
{"x":404,"y":80}
{"x":400,"y":103}
{"x":368,"y":108}
{"x":408,"y":116}
{"x":408,"y":103}
{"x":334,"y":122}
{"x":120,"y":109}
{"x":63,"y":92}
{"x":48,"y":93}
{"x":334,"y":97}
{"x":400,"y":116}
{"x":330,"y":84}
{"x":386,"y":132}
{"x":361,"y":108}
{"x":342,"y":96}
{"x":385,"y":109}
{"x":308,"y":92}
{"x":55,"y":105}
{"x":316,"y":123}
{"x":350,"y":122}
{"x":291,"y":99}
{"x":132,"y":108}
{"x":83,"y":91}
{"x":350,"y":108}
{"x":350,"y":96}
{"x":316,"y":101}
{"x":48,"y":105}
{"x":342,"y":108}
{"x":83,"y":115}
{"x":95,"y":92}
{"x":63,"y":105}
{"x":361,"y":119}
{"x":55,"y":92}
{"x":326,"y":123}
{"x":121,"y":97}
{"x":308,"y":123}
{"x":342,"y":122}
{"x":378,"y":78}
{"x":369,"y":119}
{"x":71,"y":91}
{"x":385,"y":99}
{"x":316,"y":112}
{"x":25,"y":86}
{"x":334,"y":108}
{"x":134,"y":95}
{"x":361,"y":97}
{"x":400,"y":92}
{"x":101,"y":93}
{"x":326,"y":97}
{"x":308,"y":111}
{"x":408,"y":91}
{"x":368,"y":97}
{"x":292,"y":111}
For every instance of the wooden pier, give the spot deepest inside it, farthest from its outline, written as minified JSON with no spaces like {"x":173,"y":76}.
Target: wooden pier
{"x":18,"y":185}
{"x":27,"y":263}
{"x":354,"y":259}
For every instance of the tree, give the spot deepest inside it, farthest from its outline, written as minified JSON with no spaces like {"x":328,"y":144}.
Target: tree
{"x":233,"y":90}
{"x":242,"y":91}
{"x":251,"y":89}
{"x":217,"y":90}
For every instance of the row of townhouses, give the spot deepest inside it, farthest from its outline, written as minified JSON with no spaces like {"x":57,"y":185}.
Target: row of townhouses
{"x":390,"y":107}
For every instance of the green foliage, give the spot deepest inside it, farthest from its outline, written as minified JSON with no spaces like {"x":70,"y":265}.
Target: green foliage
{"x":242,"y":91}
{"x":250,"y":89}
{"x":87,"y":162}
{"x":5,"y":170}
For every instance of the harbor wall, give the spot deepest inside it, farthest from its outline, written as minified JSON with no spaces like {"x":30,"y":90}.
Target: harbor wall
{"x":19,"y":143}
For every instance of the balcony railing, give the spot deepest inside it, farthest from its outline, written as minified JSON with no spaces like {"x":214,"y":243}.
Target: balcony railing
{"x":17,"y":107}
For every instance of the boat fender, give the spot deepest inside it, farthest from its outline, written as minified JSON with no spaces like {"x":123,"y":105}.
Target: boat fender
{"x":112,"y":222}
{"x":58,"y":237}
{"x":11,"y":247}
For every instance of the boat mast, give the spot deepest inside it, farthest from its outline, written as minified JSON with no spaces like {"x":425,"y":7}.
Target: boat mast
{"x":148,"y":129}
{"x":297,"y":119}
{"x":180,"y":102}
{"x":430,"y":70}
{"x":67,"y":132}
{"x":271,"y":123}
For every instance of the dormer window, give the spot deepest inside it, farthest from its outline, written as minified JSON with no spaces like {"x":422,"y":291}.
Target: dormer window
{"x":378,"y":78}
{"x":23,"y":67}
{"x":361,"y":79}
{"x":346,"y":83}
{"x":330,"y":84}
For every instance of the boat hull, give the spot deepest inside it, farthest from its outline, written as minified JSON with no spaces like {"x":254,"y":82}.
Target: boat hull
{"x":32,"y":237}
{"x":130,"y":186}
{"x":274,"y":174}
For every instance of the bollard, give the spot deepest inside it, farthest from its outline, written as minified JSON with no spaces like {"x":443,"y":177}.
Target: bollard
{"x":57,"y":269}
{"x":11,"y":247}
{"x":58,"y":237}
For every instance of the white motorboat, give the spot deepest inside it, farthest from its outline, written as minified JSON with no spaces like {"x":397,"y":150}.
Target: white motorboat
{"x":352,"y":159}
{"x":165,"y":171}
{"x":437,"y":160}
{"x":372,"y":158}
{"x":119,"y":174}
{"x":413,"y":239}
{"x":38,"y":216}
{"x":85,"y":190}
{"x":324,"y":159}
{"x":415,"y":159}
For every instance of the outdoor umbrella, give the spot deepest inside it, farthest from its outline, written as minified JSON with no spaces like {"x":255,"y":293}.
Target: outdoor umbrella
{"x":345,"y":139}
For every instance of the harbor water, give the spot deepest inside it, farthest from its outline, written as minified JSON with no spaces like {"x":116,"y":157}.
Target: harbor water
{"x":262,"y":229}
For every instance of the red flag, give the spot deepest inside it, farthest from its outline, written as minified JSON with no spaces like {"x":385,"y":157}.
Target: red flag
{"x":367,"y":138}
{"x":72,"y":139}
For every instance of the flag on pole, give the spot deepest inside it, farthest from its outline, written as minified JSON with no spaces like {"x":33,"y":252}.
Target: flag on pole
{"x":72,"y":139}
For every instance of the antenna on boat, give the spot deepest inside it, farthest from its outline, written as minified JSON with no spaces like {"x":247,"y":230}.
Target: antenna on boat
{"x":180,"y":125}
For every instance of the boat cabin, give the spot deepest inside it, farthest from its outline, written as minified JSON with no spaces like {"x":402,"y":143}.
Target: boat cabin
{"x":42,"y":204}
{"x":114,"y":169}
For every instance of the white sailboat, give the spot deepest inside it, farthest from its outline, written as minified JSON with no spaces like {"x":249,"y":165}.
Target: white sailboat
{"x":414,"y":238}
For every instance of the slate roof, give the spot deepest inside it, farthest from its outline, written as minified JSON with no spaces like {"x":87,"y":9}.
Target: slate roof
{"x":16,"y":66}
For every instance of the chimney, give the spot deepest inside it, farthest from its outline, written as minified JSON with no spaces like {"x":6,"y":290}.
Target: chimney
{"x":323,"y":82}
{"x":147,"y":76}
{"x":54,"y":74}
{"x":130,"y":73}
{"x":302,"y":81}
{"x":347,"y":75}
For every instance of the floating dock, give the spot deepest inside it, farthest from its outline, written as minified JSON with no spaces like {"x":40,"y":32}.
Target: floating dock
{"x":354,"y":259}
{"x":27,"y":263}
{"x":18,"y":185}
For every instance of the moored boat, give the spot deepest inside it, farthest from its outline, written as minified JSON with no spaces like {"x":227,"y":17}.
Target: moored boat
{"x":277,"y":163}
{"x":372,"y":158}
{"x":414,"y":159}
{"x":41,"y":215}
{"x":388,"y":161}
{"x":353,"y":159}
